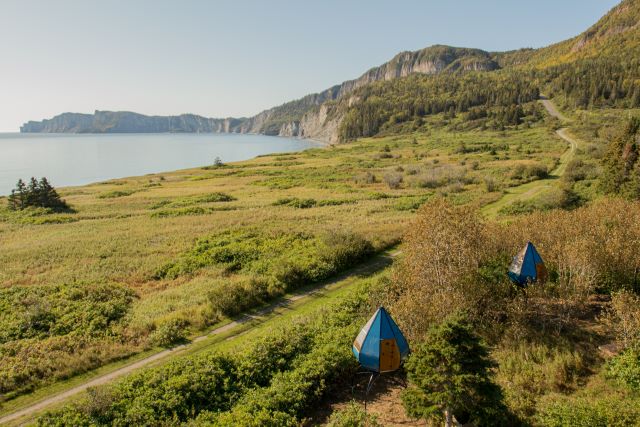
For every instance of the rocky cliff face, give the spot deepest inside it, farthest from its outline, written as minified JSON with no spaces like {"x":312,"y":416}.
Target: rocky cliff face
{"x":307,"y":117}
{"x":128,"y":122}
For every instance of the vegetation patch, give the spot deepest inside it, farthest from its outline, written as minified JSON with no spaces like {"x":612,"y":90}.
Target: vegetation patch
{"x":114,"y":194}
{"x":59,"y":319}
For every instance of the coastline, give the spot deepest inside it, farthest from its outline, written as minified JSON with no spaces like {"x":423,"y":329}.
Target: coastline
{"x":150,"y":154}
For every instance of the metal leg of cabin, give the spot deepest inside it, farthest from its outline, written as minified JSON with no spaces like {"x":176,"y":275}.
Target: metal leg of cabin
{"x":374,"y":376}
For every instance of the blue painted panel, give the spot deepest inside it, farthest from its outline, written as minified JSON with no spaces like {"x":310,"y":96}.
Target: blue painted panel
{"x":370,"y":351}
{"x":403,"y":346}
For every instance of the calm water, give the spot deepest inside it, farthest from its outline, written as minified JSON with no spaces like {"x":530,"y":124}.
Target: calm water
{"x":70,"y":159}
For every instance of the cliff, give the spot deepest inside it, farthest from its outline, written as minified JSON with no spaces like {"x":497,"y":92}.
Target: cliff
{"x":128,"y":122}
{"x":307,"y":117}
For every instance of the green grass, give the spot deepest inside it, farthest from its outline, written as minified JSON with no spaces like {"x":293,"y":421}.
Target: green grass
{"x":156,"y":219}
{"x":263,"y":320}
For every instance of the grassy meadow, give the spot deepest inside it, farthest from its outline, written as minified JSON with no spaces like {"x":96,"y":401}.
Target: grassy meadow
{"x":166,"y":255}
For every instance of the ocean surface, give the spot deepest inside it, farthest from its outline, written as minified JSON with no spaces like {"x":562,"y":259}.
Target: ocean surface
{"x":76,"y":159}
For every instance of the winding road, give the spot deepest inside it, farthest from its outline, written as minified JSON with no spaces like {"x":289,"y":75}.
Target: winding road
{"x":532,"y":189}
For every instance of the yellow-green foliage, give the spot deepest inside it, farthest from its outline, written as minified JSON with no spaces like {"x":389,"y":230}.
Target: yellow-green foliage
{"x":130,"y":239}
{"x":453,"y":261}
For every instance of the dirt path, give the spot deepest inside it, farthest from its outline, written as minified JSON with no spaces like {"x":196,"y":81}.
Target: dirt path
{"x":377,"y":263}
{"x":551,"y":108}
{"x":532,"y":189}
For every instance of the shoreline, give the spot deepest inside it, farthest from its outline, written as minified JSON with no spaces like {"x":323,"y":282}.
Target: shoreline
{"x":300,"y":144}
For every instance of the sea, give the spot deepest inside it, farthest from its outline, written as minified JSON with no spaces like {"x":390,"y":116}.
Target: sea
{"x":77,"y":159}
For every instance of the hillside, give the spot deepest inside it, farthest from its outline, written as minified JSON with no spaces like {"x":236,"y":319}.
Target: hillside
{"x":608,"y":48}
{"x":289,"y":119}
{"x":609,"y":44}
{"x":240,"y":287}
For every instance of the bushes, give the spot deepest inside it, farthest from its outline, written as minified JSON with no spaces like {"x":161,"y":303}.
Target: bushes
{"x":366,"y":178}
{"x":295,"y":202}
{"x":52,"y":331}
{"x":293,"y":392}
{"x":625,"y":368}
{"x":115,"y":194}
{"x":453,"y":261}
{"x":603,"y":412}
{"x":530,"y":370}
{"x":353,"y":415}
{"x":530,"y":172}
{"x":275,"y":264}
{"x":232,"y":298}
{"x":185,"y":387}
{"x":54,"y":310}
{"x":169,"y":333}
{"x":441,"y":176}
{"x":289,"y":258}
{"x":393,"y":180}
{"x":623,"y":318}
{"x":273,"y":382}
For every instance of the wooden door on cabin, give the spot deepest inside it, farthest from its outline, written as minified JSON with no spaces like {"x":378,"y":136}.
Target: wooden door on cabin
{"x":389,"y":355}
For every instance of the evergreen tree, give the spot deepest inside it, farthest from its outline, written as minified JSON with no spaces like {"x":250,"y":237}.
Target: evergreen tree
{"x":21,"y":191}
{"x":49,"y":197}
{"x":33,"y":193}
{"x":449,"y":375}
{"x":621,"y":174}
{"x":37,"y":194}
{"x":14,"y":202}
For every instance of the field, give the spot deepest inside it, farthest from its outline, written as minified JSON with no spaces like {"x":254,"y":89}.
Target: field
{"x":164,"y":256}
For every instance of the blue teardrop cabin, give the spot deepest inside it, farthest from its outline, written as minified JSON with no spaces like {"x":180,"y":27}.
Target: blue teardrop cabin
{"x":380,"y":346}
{"x":528,"y":266}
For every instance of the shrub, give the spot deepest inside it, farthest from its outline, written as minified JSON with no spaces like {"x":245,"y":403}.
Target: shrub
{"x":490,"y":184}
{"x":170,"y":333}
{"x":365,"y":179}
{"x":295,"y":202}
{"x":575,"y":171}
{"x":625,"y":368}
{"x":604,"y":412}
{"x":394,"y":181}
{"x":232,"y":298}
{"x":536,"y":171}
{"x":353,"y":415}
{"x":623,"y":318}
{"x":273,"y":382}
{"x":115,"y":194}
{"x":53,"y":331}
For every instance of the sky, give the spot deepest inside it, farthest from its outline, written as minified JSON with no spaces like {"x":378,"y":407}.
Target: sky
{"x":221,"y":58}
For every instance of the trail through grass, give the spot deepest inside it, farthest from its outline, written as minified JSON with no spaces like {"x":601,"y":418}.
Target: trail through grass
{"x":536,"y":188}
{"x":222,"y":337}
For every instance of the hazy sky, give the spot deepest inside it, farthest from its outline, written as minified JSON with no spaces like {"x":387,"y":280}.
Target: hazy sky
{"x":238,"y":57}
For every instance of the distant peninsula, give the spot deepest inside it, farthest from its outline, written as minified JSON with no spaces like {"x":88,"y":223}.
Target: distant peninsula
{"x":129,"y":122}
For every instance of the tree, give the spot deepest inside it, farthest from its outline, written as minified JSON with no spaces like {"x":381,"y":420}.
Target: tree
{"x":37,"y":194}
{"x":450,"y":374}
{"x":48,"y":197}
{"x":622,"y":162}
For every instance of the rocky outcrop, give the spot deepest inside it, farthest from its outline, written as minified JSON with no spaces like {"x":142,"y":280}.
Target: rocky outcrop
{"x":128,"y":122}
